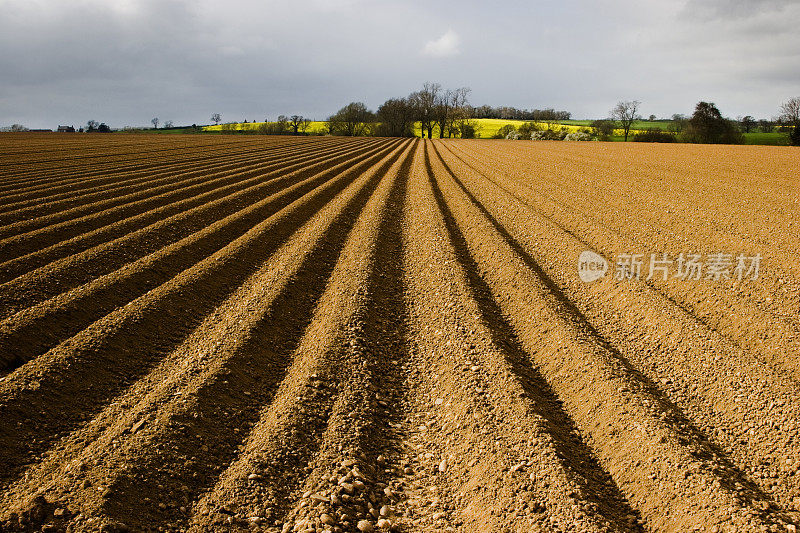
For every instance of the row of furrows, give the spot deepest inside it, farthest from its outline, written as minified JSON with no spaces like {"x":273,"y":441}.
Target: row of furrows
{"x":196,"y":408}
{"x":178,"y":186}
{"x":378,"y":352}
{"x":772,"y":298}
{"x":46,"y":319}
{"x":178,"y":154}
{"x":745,"y":401}
{"x":103,"y":155}
{"x":295,"y":381}
{"x":339,"y":448}
{"x":493,"y":439}
{"x":181,"y":157}
{"x":667,"y":193}
{"x":666,"y":208}
{"x":34,"y":143}
{"x":51,"y":242}
{"x":319,"y":456}
{"x":56,"y":197}
{"x":54,"y":268}
{"x":83,"y":371}
{"x":353,"y":473}
{"x":767,"y":300}
{"x":653,"y":451}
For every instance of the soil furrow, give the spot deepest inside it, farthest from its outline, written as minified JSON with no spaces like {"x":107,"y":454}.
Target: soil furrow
{"x":121,"y":242}
{"x":362,"y":335}
{"x":768,"y":300}
{"x":53,"y":189}
{"x":192,"y":433}
{"x":561,"y":483}
{"x":359,"y":445}
{"x":654,"y":453}
{"x":34,"y":330}
{"x":90,"y":215}
{"x":81,"y":374}
{"x":700,"y":369}
{"x":79,"y":174}
{"x":286,"y":451}
{"x":43,"y":203}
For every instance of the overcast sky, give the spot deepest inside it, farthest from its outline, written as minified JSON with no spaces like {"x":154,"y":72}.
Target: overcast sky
{"x":126,"y":61}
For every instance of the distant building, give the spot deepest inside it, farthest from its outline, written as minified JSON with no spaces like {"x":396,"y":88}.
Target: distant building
{"x":67,"y":129}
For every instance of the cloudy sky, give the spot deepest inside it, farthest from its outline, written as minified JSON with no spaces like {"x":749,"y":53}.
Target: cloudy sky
{"x":126,"y":61}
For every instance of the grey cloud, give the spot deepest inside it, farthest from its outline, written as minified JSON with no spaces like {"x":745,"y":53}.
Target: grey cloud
{"x":125,"y":61}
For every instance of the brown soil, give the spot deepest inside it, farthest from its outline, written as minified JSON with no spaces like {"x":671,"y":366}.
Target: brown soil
{"x":283,"y":334}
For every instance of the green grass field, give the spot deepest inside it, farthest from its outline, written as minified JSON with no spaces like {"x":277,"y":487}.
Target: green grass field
{"x":637,"y":125}
{"x":773,"y":138}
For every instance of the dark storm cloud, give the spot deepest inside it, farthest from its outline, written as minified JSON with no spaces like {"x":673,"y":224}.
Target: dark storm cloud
{"x":124,"y":62}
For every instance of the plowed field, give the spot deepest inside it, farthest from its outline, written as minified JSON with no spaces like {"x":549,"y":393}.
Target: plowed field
{"x":329,"y":334}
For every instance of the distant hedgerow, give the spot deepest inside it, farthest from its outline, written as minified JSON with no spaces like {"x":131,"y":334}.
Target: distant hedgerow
{"x":653,"y":135}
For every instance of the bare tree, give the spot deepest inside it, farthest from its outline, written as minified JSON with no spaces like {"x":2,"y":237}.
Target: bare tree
{"x":443,"y":113}
{"x":154,"y":122}
{"x":790,"y":111}
{"x":626,"y":113}
{"x":92,"y":125}
{"x":216,"y":118}
{"x":790,"y":114}
{"x":168,"y":124}
{"x":462,"y":112}
{"x":296,"y":122}
{"x":425,"y":102}
{"x":304,"y":125}
{"x":451,"y":108}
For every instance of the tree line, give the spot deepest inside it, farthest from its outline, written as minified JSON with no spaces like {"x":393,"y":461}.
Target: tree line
{"x":445,"y":113}
{"x":439,"y":112}
{"x":512,"y":113}
{"x":706,"y":125}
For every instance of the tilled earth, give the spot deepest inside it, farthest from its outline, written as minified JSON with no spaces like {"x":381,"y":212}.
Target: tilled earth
{"x":283,"y":334}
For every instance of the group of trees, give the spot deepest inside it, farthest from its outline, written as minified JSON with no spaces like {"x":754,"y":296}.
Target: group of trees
{"x":293,"y":125}
{"x":167,"y":125}
{"x":352,"y":120}
{"x":445,"y":112}
{"x":94,"y":126}
{"x":512,"y":113}
{"x":706,"y":125}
